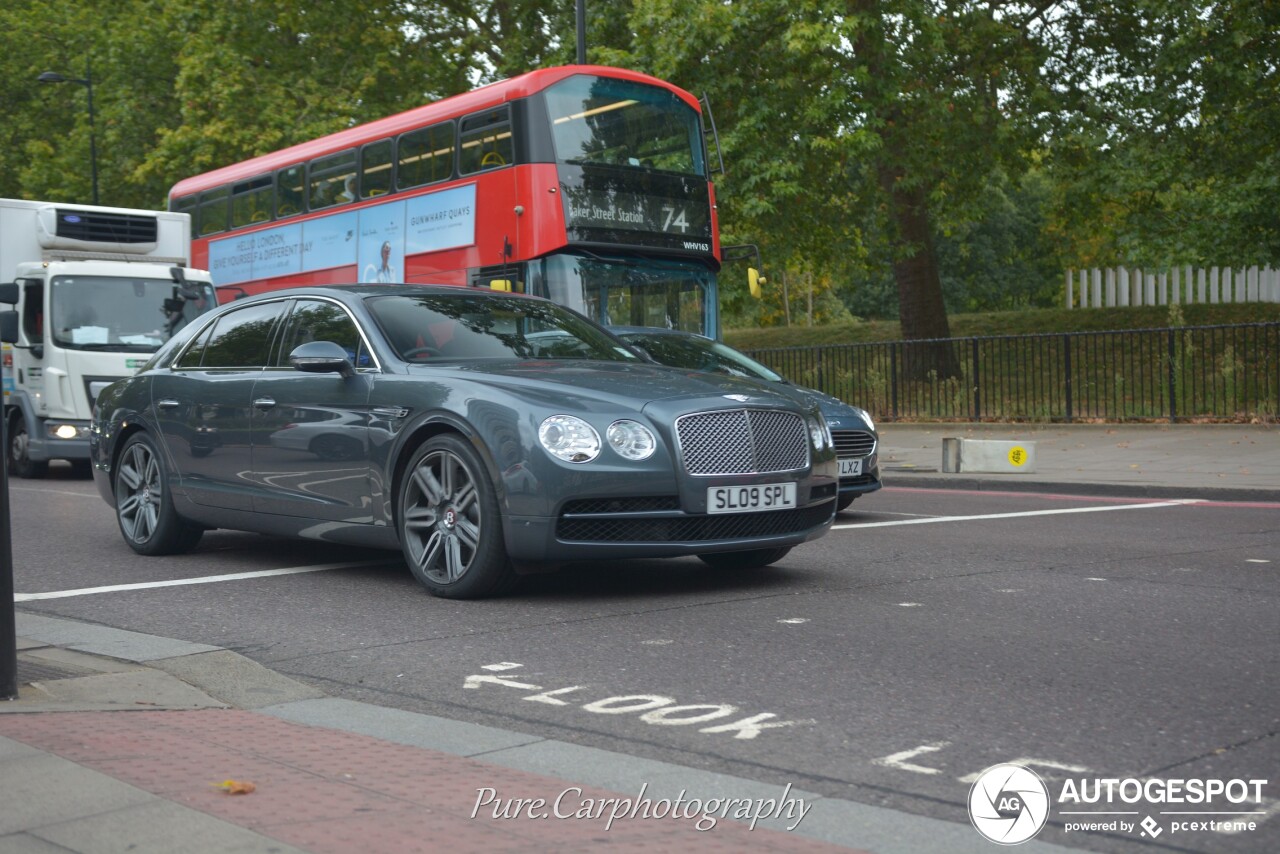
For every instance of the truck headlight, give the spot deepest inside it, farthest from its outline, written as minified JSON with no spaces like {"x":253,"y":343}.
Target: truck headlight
{"x":67,"y":431}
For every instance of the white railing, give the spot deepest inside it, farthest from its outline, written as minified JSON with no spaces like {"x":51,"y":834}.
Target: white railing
{"x":1120,"y":286}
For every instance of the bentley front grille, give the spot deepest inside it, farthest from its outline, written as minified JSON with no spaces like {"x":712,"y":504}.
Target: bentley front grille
{"x":742,"y":441}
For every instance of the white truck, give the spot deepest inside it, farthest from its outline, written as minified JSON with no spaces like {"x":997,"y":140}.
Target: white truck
{"x":99,"y":290}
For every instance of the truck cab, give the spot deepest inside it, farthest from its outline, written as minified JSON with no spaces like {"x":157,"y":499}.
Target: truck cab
{"x":91,"y":311}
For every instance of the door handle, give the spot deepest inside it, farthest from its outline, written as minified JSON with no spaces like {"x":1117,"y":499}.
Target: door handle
{"x":167,"y":403}
{"x":264,"y":403}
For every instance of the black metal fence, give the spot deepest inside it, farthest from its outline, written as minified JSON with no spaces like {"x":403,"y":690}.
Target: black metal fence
{"x":1210,"y":372}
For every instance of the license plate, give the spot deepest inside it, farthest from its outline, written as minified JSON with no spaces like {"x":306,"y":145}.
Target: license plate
{"x":850,"y":468}
{"x":751,"y":499}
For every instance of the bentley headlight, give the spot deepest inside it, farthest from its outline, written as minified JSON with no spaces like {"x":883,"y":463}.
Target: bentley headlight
{"x":631,"y":439}
{"x":819,"y":432}
{"x":569,"y":438}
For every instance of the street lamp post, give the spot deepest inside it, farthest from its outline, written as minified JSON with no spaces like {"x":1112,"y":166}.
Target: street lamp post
{"x":87,"y":82}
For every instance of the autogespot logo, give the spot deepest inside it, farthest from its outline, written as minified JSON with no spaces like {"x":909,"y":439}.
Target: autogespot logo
{"x":1008,"y":804}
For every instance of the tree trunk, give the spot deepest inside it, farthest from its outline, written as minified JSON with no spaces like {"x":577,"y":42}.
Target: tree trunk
{"x":921,"y":311}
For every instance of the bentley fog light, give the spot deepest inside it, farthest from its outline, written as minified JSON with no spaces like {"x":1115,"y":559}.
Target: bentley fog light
{"x":571,"y":439}
{"x":631,"y":439}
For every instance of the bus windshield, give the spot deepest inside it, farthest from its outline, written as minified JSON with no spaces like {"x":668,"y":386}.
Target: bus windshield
{"x":602,"y":120}
{"x":632,"y":292}
{"x":123,"y":314}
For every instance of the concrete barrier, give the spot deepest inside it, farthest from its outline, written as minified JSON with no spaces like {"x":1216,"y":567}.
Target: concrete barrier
{"x":988,"y":455}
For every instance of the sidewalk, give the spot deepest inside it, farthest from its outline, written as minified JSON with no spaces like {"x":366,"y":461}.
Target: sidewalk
{"x":120,"y":741}
{"x":1223,"y":462}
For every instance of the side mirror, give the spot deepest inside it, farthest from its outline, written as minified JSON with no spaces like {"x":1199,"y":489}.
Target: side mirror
{"x":9,"y":327}
{"x":321,"y":357}
{"x":500,"y":285}
{"x":754,"y":281}
{"x":9,"y":293}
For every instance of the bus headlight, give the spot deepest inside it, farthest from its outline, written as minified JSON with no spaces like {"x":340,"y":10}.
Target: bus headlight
{"x":631,"y":439}
{"x":569,"y":438}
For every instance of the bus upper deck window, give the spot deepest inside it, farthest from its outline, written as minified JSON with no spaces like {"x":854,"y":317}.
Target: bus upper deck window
{"x":485,"y":141}
{"x":332,"y":180}
{"x":375,"y":169}
{"x":425,"y":156}
{"x":251,"y":201}
{"x":213,"y":211}
{"x":290,"y":197}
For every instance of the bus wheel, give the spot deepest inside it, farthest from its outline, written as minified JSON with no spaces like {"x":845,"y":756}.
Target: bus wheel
{"x":750,"y":559}
{"x":20,"y":463}
{"x":144,"y":508}
{"x":449,"y":523}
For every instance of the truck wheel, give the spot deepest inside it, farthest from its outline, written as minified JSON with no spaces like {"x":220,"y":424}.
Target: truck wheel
{"x":750,"y":559}
{"x":144,"y":507}
{"x":20,"y":463}
{"x":449,"y":523}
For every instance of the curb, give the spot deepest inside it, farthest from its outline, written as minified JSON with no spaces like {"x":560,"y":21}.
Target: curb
{"x":1103,"y":490}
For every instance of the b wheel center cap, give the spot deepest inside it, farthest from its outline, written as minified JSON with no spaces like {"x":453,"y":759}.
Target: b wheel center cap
{"x":450,"y":518}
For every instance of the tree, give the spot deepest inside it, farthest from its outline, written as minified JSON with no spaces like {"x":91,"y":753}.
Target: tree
{"x":898,"y":107}
{"x":1166,"y":112}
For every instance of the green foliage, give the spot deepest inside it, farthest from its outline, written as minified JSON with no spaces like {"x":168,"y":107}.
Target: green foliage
{"x":1024,"y":322}
{"x":989,"y":145}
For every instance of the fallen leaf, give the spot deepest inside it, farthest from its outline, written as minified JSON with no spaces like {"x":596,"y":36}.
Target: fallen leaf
{"x":236,"y":787}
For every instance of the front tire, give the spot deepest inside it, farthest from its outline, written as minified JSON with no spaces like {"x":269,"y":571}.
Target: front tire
{"x":750,"y":559}
{"x":20,"y":462}
{"x":449,"y":523}
{"x":144,"y":507}
{"x":843,"y":502}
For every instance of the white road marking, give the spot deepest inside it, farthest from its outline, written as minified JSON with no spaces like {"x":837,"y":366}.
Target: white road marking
{"x":205,"y":579}
{"x":1027,"y":513}
{"x":897,"y":760}
{"x":1255,"y":560}
{"x":909,"y":605}
{"x":501,"y":665}
{"x":794,"y":621}
{"x":93,"y":494}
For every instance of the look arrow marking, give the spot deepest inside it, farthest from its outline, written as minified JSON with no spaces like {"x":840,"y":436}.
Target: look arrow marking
{"x":896,"y":760}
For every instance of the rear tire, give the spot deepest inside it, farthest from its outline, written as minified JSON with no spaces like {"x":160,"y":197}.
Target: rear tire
{"x":20,"y":462}
{"x":449,"y":523}
{"x":144,"y":507}
{"x":751,"y":559}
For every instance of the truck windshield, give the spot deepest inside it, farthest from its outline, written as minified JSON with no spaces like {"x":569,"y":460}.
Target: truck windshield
{"x":121,"y":313}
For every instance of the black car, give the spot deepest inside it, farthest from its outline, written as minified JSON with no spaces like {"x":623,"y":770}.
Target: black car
{"x":851,"y":426}
{"x":479,"y":432}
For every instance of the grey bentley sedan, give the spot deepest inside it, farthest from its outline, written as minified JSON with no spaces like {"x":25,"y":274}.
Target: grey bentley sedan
{"x":481,"y":433}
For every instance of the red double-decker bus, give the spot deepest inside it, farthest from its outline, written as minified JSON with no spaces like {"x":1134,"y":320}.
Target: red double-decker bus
{"x":584,"y":184}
